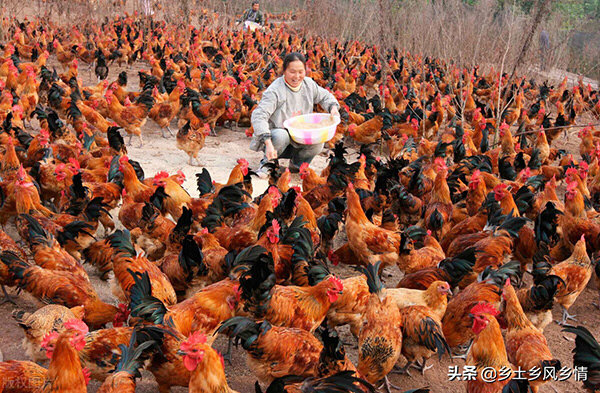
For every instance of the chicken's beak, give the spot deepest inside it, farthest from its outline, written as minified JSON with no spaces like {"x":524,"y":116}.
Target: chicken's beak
{"x":471,"y":316}
{"x":181,"y":353}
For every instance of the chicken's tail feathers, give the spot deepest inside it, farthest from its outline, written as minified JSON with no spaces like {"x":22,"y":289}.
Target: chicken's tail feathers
{"x":587,"y":348}
{"x":120,"y":240}
{"x":132,"y":356}
{"x":434,"y":337}
{"x":243,"y":330}
{"x":16,"y":265}
{"x":37,"y":233}
{"x":498,"y":276}
{"x":95,"y":208}
{"x":344,"y":381}
{"x":143,"y":304}
{"x":543,"y":293}
{"x":204,"y":182}
{"x":73,"y":230}
{"x":373,"y":279}
{"x":459,"y":266}
{"x":191,"y":258}
{"x":257,"y":283}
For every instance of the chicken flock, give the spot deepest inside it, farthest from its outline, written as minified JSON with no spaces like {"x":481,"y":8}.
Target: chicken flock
{"x":456,"y":185}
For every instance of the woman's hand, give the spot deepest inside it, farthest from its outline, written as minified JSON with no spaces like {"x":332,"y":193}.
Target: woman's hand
{"x":335,"y":111}
{"x":270,"y":151}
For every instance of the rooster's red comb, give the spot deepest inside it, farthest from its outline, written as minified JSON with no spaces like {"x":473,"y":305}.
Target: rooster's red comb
{"x":484,"y":308}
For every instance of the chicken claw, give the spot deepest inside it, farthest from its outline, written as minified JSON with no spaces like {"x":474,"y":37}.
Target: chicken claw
{"x":566,"y":316}
{"x":388,"y":386}
{"x":422,"y":367}
{"x":7,"y":297}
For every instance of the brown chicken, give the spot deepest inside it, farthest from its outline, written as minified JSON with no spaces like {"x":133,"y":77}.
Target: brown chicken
{"x":164,"y":112}
{"x":192,"y":141}
{"x":127,"y":265}
{"x":289,"y":306}
{"x":435,"y":297}
{"x":203,"y":312}
{"x":368,"y":242}
{"x":65,"y":374}
{"x":575,"y":272}
{"x":20,"y":376}
{"x":380,"y":339}
{"x":41,"y":322}
{"x":122,"y":380}
{"x":205,"y":364}
{"x":61,"y":288}
{"x":526,"y":346}
{"x":131,"y":117}
{"x":275,"y":351}
{"x":488,"y":350}
{"x":421,"y":336}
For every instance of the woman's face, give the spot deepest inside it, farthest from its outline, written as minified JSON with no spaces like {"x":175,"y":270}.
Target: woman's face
{"x":294,"y":73}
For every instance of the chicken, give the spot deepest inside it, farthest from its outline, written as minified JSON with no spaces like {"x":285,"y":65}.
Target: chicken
{"x":65,"y":374}
{"x":41,"y":322}
{"x":29,"y":198}
{"x":48,"y":253}
{"x":586,"y":354}
{"x":425,"y":257}
{"x":211,"y":111}
{"x":98,"y":354}
{"x":368,"y":132}
{"x":128,"y":368}
{"x":130,"y":117}
{"x":343,"y":381}
{"x":435,"y":297}
{"x":526,"y":346}
{"x":438,"y":214}
{"x":127,"y":265}
{"x":488,"y":350}
{"x":452,"y":270}
{"x":8,"y":244}
{"x":19,"y":376}
{"x":289,"y":306}
{"x":164,"y":112}
{"x":61,"y":288}
{"x":192,"y":141}
{"x":380,"y":338}
{"x":537,"y":301}
{"x":575,"y":272}
{"x":205,"y":364}
{"x":368,"y":242}
{"x":456,"y":324}
{"x":203,"y":311}
{"x":310,"y":179}
{"x":421,"y":336}
{"x":275,"y":351}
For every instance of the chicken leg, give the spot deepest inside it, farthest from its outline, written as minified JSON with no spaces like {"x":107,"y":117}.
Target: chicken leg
{"x":388,"y":386}
{"x":566,"y":316}
{"x":168,"y":129}
{"x":7,"y":297}
{"x":422,"y":367}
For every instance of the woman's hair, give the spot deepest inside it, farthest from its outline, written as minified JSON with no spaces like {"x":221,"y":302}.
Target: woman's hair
{"x":293,"y":56}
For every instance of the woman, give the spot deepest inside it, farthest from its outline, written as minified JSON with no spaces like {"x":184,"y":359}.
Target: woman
{"x":290,"y":95}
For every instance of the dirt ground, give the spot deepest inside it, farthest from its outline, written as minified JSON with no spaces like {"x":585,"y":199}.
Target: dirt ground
{"x":219,"y":156}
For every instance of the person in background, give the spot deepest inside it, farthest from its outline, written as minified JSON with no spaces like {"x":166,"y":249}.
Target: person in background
{"x":253,"y":14}
{"x":290,"y":95}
